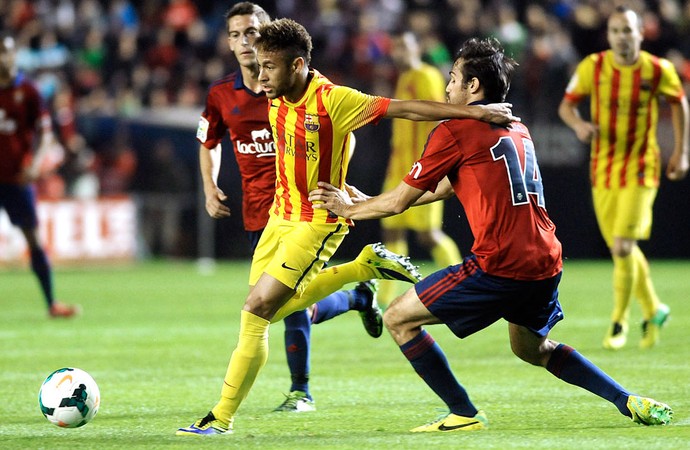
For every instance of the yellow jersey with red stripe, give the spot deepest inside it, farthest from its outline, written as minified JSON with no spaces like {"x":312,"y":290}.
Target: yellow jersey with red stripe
{"x":408,"y":137}
{"x":312,"y":140}
{"x":624,"y":105}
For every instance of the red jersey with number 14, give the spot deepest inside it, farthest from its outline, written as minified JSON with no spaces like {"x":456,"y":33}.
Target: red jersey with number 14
{"x":231,"y":107}
{"x":495,"y":176}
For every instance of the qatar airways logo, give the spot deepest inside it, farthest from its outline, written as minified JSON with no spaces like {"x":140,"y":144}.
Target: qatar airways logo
{"x":261,"y":146}
{"x":7,"y":125}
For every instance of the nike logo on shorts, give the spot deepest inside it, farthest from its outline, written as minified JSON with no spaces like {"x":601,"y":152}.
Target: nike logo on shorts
{"x":285,"y":266}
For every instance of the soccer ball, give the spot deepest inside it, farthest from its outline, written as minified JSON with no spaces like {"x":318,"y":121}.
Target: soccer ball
{"x":69,"y":398}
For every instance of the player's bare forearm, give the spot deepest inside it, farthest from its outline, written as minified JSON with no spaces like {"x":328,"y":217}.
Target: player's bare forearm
{"x":585,"y":131}
{"x":214,"y":195}
{"x":678,"y":163}
{"x":499,"y":113}
{"x":327,"y":196}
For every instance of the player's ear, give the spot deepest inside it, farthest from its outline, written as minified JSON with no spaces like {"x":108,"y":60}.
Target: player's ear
{"x":474,"y":85}
{"x":297,"y":64}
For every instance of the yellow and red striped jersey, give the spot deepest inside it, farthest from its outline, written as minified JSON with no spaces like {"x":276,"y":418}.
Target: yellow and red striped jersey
{"x":624,"y":105}
{"x":312,"y":138}
{"x":409,"y":137}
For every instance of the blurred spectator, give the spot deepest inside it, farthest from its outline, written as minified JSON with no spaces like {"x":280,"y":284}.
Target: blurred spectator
{"x":370,"y":46}
{"x":547,"y":61}
{"x":465,"y":23}
{"x":424,"y":24}
{"x":510,"y":32}
{"x":180,"y":15}
{"x":163,"y":53}
{"x":116,"y":165}
{"x":77,"y":170}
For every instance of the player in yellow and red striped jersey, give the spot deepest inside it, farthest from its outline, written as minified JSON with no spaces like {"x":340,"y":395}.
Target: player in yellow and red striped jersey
{"x":236,"y":105}
{"x":624,"y":84}
{"x":311,"y":120}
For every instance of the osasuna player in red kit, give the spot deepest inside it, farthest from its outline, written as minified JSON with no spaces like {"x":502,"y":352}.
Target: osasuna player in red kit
{"x":515,"y":265}
{"x":237,"y":104}
{"x":23,"y":116}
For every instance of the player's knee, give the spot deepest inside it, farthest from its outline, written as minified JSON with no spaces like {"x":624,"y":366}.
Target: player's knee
{"x":391,"y":317}
{"x":536,"y":355}
{"x":526,"y":350}
{"x":259,"y":306}
{"x":396,"y":322}
{"x":622,"y":248}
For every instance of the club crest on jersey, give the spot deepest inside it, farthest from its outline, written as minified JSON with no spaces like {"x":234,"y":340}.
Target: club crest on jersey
{"x":311,"y":122}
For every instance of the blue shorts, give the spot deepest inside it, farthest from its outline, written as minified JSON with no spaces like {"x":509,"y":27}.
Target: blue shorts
{"x":20,"y":204}
{"x":467,"y":299}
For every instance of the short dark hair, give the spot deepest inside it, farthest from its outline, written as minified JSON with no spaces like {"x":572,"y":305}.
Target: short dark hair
{"x":287,"y":36}
{"x":485,"y":60}
{"x":247,"y":9}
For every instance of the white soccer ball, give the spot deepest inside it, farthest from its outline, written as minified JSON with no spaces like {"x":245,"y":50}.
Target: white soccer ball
{"x":69,"y":398}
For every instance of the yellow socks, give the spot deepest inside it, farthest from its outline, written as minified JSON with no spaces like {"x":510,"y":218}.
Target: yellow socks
{"x":624,"y":274}
{"x":249,"y":357}
{"x":644,"y":288}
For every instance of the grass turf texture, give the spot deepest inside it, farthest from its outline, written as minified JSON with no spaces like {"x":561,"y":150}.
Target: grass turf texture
{"x":157,"y":338}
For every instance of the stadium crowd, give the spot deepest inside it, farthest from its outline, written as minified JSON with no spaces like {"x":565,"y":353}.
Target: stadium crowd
{"x":118,"y":57}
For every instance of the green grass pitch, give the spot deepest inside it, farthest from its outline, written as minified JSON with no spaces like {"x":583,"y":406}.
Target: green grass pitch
{"x":157,"y":338}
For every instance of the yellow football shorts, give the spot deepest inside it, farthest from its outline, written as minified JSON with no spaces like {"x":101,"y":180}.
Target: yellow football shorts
{"x":295,"y":252}
{"x":624,"y":212}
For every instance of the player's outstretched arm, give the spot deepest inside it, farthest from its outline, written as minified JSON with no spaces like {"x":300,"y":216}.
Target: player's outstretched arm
{"x":499,"y":113}
{"x":329,"y":197}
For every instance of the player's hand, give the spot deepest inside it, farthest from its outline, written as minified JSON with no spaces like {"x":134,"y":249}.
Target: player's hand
{"x":215,"y":206}
{"x":329,"y":197}
{"x":585,"y":131}
{"x":499,"y":113}
{"x":677,"y":167}
{"x":356,"y":195}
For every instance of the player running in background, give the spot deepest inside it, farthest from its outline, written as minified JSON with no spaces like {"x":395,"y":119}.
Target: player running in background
{"x":312,"y":120}
{"x":23,"y":117}
{"x":515,"y":266}
{"x":624,"y":84}
{"x":417,"y":80}
{"x":237,"y":104}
